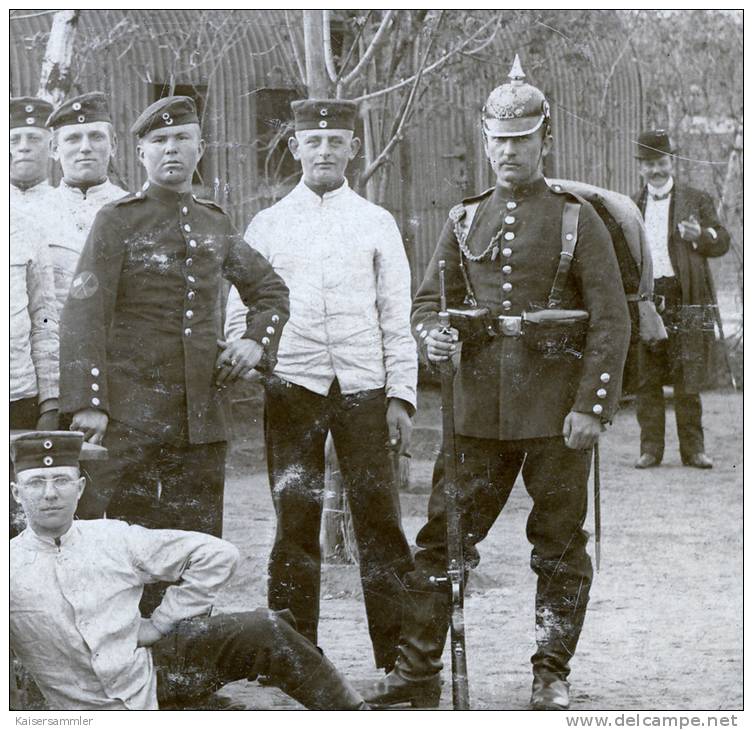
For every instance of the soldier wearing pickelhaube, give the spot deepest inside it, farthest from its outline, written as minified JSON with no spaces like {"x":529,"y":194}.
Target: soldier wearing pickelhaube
{"x":521,"y":405}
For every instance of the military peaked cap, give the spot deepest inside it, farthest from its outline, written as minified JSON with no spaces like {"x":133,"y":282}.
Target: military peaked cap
{"x":29,"y":111}
{"x":324,"y":114}
{"x":40,"y":449}
{"x":653,"y":144}
{"x":170,"y":111}
{"x":82,"y":109}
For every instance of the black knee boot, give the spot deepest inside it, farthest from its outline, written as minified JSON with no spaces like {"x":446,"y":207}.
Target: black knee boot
{"x":416,"y":676}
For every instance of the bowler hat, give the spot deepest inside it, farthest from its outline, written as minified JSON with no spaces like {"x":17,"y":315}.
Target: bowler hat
{"x":653,"y":144}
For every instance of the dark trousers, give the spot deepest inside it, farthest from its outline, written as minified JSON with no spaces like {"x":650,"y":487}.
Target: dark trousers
{"x":23,"y":415}
{"x":156,"y":485}
{"x":205,"y":653}
{"x":556,"y":478}
{"x":296,"y":425}
{"x":662,"y":364}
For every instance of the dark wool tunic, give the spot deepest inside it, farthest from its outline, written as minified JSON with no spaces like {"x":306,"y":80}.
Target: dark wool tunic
{"x":504,"y":389}
{"x":140,"y":327}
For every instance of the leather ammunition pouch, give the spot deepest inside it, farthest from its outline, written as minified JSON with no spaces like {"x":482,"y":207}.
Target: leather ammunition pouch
{"x":555,"y":332}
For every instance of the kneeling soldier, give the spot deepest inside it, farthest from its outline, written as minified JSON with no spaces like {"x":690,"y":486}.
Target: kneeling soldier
{"x":526,"y":397}
{"x":75,"y":589}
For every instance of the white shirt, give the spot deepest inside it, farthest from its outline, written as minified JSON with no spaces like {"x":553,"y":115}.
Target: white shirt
{"x":656,"y":218}
{"x":33,"y":346}
{"x":344,"y":262}
{"x":67,"y":217}
{"x":32,"y":199}
{"x":74,"y":606}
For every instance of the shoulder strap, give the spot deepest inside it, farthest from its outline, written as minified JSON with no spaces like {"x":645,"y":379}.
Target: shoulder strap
{"x":569,"y":237}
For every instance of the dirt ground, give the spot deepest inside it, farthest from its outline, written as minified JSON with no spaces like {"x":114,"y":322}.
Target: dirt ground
{"x":664,"y":627}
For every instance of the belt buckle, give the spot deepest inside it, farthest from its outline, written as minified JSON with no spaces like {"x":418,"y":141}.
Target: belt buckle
{"x":510,"y":326}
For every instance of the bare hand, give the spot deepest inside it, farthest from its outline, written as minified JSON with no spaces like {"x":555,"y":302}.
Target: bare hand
{"x":581,"y":430}
{"x":48,"y":421}
{"x":237,"y":359}
{"x":92,"y":422}
{"x":148,"y":633}
{"x":440,"y":345}
{"x":399,"y":425}
{"x":690,"y":229}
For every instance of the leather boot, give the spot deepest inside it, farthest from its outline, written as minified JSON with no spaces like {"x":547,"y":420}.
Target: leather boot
{"x":416,"y":677}
{"x":327,"y":689}
{"x":550,"y":694}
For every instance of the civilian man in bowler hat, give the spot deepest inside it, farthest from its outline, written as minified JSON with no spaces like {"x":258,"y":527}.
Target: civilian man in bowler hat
{"x":683,"y":231}
{"x":74,"y":606}
{"x":346,"y":364}
{"x":142,"y":356}
{"x":521,"y":405}
{"x":84,"y":143}
{"x":29,"y":154}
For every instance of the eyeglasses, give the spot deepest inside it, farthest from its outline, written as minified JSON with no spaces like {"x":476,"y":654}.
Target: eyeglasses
{"x":58,"y":483}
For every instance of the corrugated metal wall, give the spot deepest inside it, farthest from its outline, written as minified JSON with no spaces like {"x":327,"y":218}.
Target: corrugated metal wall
{"x":126,"y":53}
{"x":442,"y":160}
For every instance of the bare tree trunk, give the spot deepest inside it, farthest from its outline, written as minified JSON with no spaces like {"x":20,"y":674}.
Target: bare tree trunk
{"x":317,"y":78}
{"x":338,"y":541}
{"x":55,"y":80}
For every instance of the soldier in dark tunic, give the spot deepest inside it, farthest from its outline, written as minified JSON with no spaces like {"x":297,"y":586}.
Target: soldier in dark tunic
{"x":142,"y":359}
{"x":517,"y":408}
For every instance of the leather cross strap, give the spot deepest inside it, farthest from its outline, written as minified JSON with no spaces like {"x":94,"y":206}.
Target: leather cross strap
{"x":569,"y":237}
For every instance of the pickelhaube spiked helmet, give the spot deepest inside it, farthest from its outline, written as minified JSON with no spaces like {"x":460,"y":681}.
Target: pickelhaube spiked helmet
{"x":516,"y":108}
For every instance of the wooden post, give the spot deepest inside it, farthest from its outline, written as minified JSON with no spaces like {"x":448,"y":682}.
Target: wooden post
{"x":55,"y":79}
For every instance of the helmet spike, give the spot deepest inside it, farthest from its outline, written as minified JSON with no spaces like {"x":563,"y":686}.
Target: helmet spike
{"x":516,"y":72}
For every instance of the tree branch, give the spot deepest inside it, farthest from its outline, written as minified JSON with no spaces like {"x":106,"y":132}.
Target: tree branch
{"x":439,"y":62}
{"x":30,"y":15}
{"x":296,"y":55}
{"x":375,"y":41}
{"x":354,"y":45}
{"x":329,"y":61}
{"x":406,"y":110}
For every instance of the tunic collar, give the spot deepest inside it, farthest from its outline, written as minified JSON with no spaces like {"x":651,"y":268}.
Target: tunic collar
{"x":526,"y":190}
{"x":90,"y":191}
{"x":165,"y":195}
{"x":41,"y":186}
{"x":32,"y":541}
{"x":308,"y":194}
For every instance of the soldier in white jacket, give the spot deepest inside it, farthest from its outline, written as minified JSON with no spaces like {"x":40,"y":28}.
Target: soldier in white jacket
{"x":83,"y":141}
{"x":346,"y":365}
{"x":75,"y":623}
{"x":29,"y":154}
